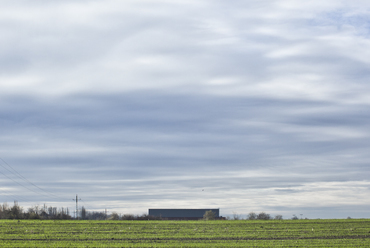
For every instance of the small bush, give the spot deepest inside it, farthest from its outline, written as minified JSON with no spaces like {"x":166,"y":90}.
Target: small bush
{"x":263,"y":216}
{"x":278,"y":217}
{"x":252,"y":216}
{"x":209,"y":215}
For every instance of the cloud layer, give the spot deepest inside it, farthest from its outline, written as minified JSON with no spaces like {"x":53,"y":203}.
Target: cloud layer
{"x":245,"y":106}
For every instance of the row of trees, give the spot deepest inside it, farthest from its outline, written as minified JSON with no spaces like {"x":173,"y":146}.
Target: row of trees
{"x":86,"y":215}
{"x":260,"y":216}
{"x":53,"y":213}
{"x":45,"y":213}
{"x":209,"y":215}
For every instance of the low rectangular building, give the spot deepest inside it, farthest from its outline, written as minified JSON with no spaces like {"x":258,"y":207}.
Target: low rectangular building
{"x":182,"y":214}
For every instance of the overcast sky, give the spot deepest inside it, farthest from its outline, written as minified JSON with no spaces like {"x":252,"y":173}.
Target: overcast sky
{"x":256,"y":105}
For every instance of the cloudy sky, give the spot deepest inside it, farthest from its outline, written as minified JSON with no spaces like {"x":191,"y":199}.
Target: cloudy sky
{"x":257,"y":105}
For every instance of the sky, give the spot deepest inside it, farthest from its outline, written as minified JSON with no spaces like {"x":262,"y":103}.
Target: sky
{"x":246,"y":106}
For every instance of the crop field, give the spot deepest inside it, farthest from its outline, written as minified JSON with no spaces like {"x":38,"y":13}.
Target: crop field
{"x":242,"y":233}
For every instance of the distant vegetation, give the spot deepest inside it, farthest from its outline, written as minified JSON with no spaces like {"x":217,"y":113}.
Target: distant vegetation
{"x":209,"y":215}
{"x":45,"y":212}
{"x":260,"y":216}
{"x":52,"y":213}
{"x":86,"y":215}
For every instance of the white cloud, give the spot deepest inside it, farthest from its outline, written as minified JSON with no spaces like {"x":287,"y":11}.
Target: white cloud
{"x":145,"y":90}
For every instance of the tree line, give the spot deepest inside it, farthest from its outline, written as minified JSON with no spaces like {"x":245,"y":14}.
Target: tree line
{"x":87,"y":215}
{"x":53,"y":213}
{"x":37,"y":212}
{"x":260,"y":216}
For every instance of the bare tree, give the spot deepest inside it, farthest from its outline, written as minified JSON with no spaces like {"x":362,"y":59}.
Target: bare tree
{"x":128,"y":217}
{"x":236,"y":216}
{"x":83,"y":213}
{"x":252,"y":216}
{"x":263,"y":216}
{"x":278,"y":217}
{"x":4,"y":211}
{"x":16,"y":212}
{"x":114,"y":216}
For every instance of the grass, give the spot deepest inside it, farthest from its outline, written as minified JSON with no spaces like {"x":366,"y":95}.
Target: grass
{"x":285,"y":233}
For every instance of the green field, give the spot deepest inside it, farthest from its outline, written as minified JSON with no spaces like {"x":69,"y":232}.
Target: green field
{"x":283,"y":233}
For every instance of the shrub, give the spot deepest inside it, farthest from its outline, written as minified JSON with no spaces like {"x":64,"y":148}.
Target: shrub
{"x":278,"y":217}
{"x":209,"y":215}
{"x":252,"y":216}
{"x":263,"y":216}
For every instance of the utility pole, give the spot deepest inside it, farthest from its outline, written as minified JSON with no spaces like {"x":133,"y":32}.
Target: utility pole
{"x":77,"y":205}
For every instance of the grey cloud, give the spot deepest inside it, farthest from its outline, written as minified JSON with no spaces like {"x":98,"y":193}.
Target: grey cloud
{"x":174,"y":130}
{"x":246,"y":99}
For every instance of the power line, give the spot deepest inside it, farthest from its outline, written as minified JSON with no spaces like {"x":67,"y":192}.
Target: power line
{"x":87,"y":206}
{"x":17,"y":174}
{"x":18,"y":183}
{"x":25,"y":179}
{"x":7,"y":194}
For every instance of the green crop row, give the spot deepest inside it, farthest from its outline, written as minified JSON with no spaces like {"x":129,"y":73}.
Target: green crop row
{"x":184,"y":243}
{"x":324,"y":233}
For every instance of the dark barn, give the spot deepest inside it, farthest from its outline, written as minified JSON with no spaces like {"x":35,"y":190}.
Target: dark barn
{"x":182,"y":214}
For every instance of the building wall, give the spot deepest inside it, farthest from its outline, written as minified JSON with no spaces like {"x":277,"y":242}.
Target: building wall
{"x":190,"y":214}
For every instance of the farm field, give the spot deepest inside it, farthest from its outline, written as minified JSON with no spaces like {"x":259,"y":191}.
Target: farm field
{"x":242,"y":233}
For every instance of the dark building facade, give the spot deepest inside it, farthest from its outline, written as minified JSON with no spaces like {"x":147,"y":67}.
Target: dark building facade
{"x":182,"y":214}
